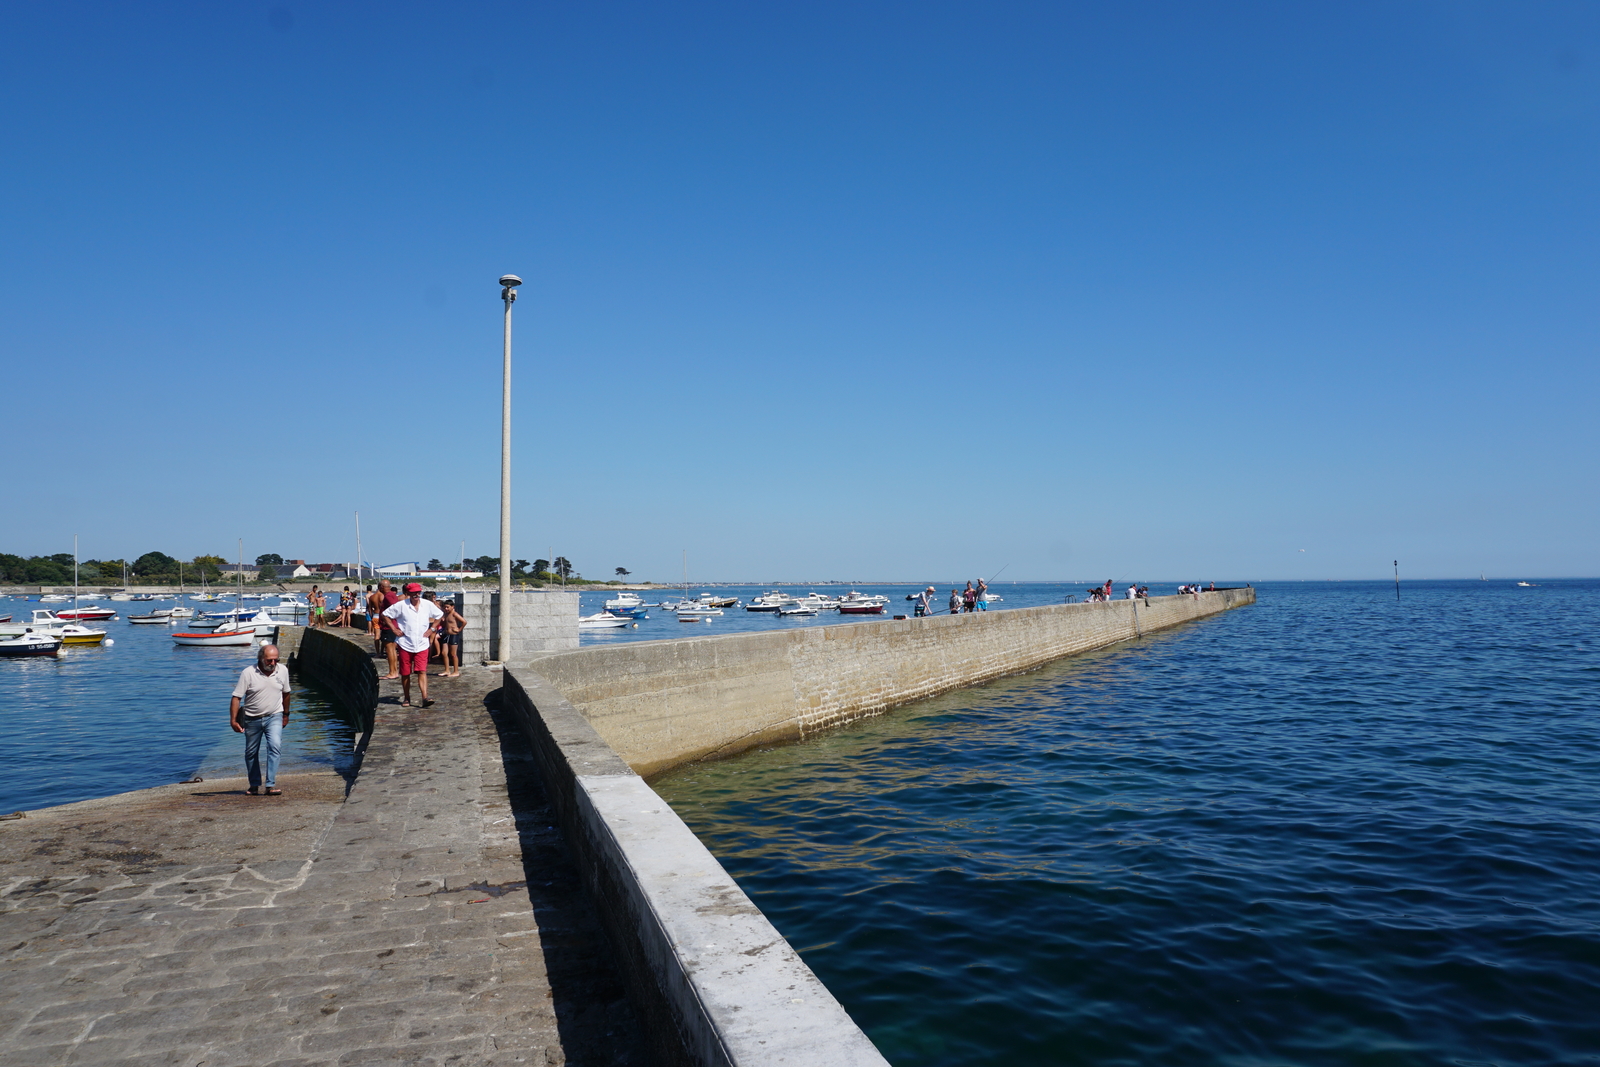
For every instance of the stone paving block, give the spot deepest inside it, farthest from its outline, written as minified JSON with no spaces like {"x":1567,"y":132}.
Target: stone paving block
{"x":346,"y":1039}
{"x":110,"y":1051}
{"x":88,"y":1007}
{"x":42,"y":1035}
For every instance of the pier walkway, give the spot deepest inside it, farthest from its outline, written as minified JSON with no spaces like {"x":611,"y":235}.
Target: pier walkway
{"x":430,"y":916}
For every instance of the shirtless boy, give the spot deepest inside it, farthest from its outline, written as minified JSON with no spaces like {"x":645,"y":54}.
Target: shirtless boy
{"x":450,"y":628}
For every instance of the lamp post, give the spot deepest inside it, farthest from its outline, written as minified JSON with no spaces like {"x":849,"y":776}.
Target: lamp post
{"x":508,"y":293}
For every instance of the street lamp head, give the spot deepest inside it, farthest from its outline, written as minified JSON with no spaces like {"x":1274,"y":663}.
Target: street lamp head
{"x":510,"y":281}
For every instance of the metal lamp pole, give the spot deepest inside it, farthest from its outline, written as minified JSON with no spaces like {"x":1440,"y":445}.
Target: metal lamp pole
{"x":508,"y":293}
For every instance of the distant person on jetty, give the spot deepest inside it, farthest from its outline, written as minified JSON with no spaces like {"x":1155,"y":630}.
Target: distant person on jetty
{"x":451,"y":623}
{"x":413,"y":621}
{"x":388,"y":598}
{"x":261,"y":696}
{"x":924,"y":601}
{"x":969,"y":598}
{"x":314,"y":598}
{"x":982,"y":599}
{"x":375,"y":606}
{"x":1133,"y":590}
{"x":955,"y":601}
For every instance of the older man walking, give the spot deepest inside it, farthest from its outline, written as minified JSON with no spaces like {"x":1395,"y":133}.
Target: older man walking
{"x":413,"y":621}
{"x":260,"y":698}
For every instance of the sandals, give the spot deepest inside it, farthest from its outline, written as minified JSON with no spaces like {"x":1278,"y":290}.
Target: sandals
{"x":274,"y":791}
{"x":255,"y":791}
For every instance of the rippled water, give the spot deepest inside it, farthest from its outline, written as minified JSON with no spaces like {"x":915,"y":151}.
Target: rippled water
{"x":1326,"y":829}
{"x":141,"y":713}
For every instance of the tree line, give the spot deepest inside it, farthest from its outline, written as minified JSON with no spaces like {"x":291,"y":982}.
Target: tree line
{"x":152,"y":568}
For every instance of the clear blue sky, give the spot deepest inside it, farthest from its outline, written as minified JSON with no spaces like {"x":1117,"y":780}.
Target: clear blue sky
{"x":817,"y":290}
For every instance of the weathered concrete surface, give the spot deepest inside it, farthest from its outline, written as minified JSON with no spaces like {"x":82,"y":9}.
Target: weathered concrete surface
{"x":662,"y":703}
{"x":431,"y":917}
{"x":542,"y":620}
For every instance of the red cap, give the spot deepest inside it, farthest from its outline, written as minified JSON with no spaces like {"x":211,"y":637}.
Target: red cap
{"x":413,"y":587}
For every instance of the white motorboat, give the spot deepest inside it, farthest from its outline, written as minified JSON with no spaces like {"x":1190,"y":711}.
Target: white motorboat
{"x":146,"y":596}
{"x":147,"y":620}
{"x":221,"y":637}
{"x":30,"y":644}
{"x":259,"y":624}
{"x":626,"y":601}
{"x":770,"y":601}
{"x":120,"y":596}
{"x":204,"y":598}
{"x":854,"y":603}
{"x":178,"y":612}
{"x":1526,"y":585}
{"x":92,"y":613}
{"x":603,"y":620}
{"x":796,"y":607}
{"x":289,"y":606}
{"x":54,"y":598}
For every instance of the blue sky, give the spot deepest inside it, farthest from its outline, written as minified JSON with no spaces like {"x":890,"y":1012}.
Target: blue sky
{"x":856,"y":291}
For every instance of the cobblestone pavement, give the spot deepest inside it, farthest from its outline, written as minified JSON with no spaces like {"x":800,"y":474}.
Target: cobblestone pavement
{"x":429,"y":918}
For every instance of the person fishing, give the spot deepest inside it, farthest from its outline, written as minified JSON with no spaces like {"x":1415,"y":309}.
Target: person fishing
{"x":923,"y":600}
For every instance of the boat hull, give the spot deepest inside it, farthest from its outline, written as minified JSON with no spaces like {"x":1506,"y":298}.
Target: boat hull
{"x":29,"y":645}
{"x":243,"y":637}
{"x":860,"y":609}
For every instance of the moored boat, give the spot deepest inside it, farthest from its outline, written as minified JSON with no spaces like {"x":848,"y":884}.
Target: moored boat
{"x":160,"y":620}
{"x":92,"y":613}
{"x":30,"y":644}
{"x":221,"y":637}
{"x":603,"y":620}
{"x":769,"y":601}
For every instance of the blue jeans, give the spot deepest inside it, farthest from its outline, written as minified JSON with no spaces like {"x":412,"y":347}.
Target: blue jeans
{"x":270,"y":727}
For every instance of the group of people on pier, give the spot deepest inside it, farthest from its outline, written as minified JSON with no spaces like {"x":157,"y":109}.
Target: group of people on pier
{"x":972,"y":598}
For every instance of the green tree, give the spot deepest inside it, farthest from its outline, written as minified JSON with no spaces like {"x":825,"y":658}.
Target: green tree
{"x":435,"y":565}
{"x":155,"y":565}
{"x":267,"y":573}
{"x":563,"y":568}
{"x":623,"y":572}
{"x":269,"y":558}
{"x":487,"y":564}
{"x":519,"y":568}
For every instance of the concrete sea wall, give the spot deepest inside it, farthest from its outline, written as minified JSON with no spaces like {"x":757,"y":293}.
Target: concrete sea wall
{"x":339,"y":664}
{"x":715,"y":983}
{"x":662,"y":703}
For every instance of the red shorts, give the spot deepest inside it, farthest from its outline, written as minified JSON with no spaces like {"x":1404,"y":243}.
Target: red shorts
{"x":413,"y":662}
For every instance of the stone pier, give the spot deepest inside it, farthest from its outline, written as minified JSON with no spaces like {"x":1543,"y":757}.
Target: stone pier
{"x":426,"y":912}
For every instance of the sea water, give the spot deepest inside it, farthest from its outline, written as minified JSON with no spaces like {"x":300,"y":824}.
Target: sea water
{"x":1329,"y":828}
{"x":143,"y":712}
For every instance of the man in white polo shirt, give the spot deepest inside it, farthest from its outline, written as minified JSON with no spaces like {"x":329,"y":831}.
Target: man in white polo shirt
{"x":260,"y":697}
{"x":413,"y":621}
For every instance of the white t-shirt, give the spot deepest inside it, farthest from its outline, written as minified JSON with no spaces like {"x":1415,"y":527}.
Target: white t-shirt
{"x":413,"y":623}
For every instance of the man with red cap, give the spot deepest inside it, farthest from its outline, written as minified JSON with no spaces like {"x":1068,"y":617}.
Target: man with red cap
{"x":413,"y":621}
